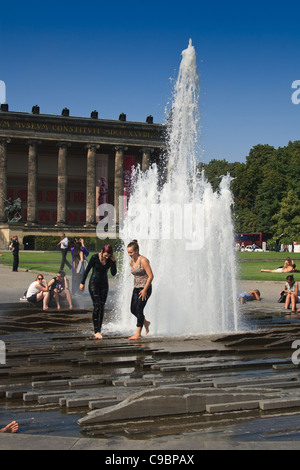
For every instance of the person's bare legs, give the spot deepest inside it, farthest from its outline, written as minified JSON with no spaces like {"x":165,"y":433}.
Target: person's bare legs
{"x":11,"y":427}
{"x":137,"y":334}
{"x":287,"y":301}
{"x":68,"y":297}
{"x":291,"y":298}
{"x":294,"y":299}
{"x":146,"y":325}
{"x":46,"y":297}
{"x":41,"y":296}
{"x":56,"y":296}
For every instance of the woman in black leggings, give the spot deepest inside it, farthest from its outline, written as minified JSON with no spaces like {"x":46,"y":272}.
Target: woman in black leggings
{"x":142,"y":287}
{"x":98,"y":285}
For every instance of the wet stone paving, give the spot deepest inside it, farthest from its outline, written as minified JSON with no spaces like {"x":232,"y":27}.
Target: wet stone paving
{"x":58,"y":380}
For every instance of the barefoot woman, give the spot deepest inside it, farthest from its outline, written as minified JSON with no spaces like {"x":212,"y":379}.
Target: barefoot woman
{"x":98,"y":285}
{"x":143,"y":276}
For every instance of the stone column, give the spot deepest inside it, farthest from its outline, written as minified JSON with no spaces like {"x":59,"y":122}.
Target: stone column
{"x":119,"y":176}
{"x":91,"y":185}
{"x":62,"y":183}
{"x":146,"y":157}
{"x":3,"y":177}
{"x":32,"y":182}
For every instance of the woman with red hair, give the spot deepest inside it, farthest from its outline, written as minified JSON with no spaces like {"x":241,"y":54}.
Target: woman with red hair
{"x":98,"y":284}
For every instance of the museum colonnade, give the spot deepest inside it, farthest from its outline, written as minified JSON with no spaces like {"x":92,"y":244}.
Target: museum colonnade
{"x":62,"y":179}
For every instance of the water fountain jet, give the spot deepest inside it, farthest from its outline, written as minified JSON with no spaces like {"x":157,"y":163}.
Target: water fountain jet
{"x":184,"y":229}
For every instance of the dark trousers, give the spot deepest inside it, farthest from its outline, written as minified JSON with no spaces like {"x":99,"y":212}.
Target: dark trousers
{"x":64,"y":259}
{"x":15,"y":261}
{"x":98,"y":293}
{"x":76,"y":279}
{"x":138,"y":305}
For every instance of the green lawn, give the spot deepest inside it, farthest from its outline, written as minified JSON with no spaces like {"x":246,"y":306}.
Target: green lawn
{"x":249,"y":264}
{"x":250,"y":255}
{"x":46,"y":262}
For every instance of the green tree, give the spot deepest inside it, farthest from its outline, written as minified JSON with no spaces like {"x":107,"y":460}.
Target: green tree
{"x":215,"y":169}
{"x":265,"y":188}
{"x":287,"y":219}
{"x":268,"y":199}
{"x":245,"y":220}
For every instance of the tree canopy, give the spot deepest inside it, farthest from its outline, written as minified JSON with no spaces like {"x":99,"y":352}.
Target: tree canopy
{"x":266,"y":189}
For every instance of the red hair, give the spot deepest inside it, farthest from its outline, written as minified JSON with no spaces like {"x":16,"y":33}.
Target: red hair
{"x":108,"y":249}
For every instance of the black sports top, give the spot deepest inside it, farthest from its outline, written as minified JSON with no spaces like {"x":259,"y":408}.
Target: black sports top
{"x":99,"y":274}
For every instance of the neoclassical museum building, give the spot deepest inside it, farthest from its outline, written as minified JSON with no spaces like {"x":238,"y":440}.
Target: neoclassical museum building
{"x":63,"y":167}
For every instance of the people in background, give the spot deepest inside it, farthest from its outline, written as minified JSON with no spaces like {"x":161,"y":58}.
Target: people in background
{"x":248,"y":296}
{"x":292,"y":293}
{"x":37,"y":291}
{"x":64,"y":246}
{"x":15,"y":248}
{"x":288,"y":267}
{"x":59,"y":287}
{"x":77,"y":261}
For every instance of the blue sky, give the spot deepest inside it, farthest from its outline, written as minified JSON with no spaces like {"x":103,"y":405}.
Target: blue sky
{"x":122,"y":57}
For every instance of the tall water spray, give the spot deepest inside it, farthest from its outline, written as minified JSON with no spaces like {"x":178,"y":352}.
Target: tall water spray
{"x":184,"y":229}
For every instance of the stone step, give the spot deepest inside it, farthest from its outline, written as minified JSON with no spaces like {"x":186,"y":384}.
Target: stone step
{"x":96,"y":404}
{"x":154,"y":403}
{"x":79,"y":402}
{"x":278,"y":404}
{"x":225,"y":382}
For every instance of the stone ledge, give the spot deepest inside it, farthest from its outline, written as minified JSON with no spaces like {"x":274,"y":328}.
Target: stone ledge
{"x":138,"y":408}
{"x":234,"y":406}
{"x":279,"y":403}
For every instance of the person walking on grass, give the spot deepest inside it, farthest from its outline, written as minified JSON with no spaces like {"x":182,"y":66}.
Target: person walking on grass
{"x":64,"y":247}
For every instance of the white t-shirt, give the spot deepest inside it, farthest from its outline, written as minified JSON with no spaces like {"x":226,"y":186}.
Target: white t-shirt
{"x":32,"y":289}
{"x":64,"y":243}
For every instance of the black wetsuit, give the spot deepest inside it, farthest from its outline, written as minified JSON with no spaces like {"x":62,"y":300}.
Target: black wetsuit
{"x":98,"y":286}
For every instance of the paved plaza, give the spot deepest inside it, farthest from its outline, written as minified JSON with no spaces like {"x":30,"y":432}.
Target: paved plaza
{"x":67,"y":391}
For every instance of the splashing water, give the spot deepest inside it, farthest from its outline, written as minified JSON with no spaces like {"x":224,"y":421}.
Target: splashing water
{"x":185,"y":230}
